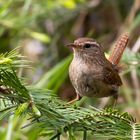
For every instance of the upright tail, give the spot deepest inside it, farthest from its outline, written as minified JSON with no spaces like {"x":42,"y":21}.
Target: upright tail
{"x":118,"y":50}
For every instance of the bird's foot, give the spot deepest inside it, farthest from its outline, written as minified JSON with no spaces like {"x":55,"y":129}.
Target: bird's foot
{"x":78,"y":97}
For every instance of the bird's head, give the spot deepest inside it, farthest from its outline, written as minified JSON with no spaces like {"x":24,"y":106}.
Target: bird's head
{"x":86,"y":47}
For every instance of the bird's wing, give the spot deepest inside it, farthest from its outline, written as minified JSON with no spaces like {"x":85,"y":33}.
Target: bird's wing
{"x":111,"y":76}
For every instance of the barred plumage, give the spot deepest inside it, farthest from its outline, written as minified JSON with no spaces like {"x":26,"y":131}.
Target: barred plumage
{"x":118,"y":50}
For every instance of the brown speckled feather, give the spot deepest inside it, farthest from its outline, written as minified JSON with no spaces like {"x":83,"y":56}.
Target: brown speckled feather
{"x":111,"y":76}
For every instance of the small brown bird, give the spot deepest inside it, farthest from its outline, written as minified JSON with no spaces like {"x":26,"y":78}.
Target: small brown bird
{"x":90,"y":72}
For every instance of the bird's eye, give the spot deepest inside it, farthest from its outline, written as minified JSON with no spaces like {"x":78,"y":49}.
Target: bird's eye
{"x":87,"y":45}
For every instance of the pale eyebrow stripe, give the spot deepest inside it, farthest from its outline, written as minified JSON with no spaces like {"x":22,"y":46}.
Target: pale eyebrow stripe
{"x":89,"y":42}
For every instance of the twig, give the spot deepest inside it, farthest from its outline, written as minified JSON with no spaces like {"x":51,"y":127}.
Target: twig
{"x":134,"y":76}
{"x":85,"y":135}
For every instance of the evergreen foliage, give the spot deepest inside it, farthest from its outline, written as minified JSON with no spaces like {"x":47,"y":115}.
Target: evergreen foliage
{"x":41,"y":110}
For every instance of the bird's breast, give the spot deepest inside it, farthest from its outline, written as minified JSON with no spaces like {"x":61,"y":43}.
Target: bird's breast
{"x":82,"y":78}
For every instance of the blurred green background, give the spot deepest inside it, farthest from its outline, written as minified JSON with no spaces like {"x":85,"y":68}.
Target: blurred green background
{"x":43,"y":28}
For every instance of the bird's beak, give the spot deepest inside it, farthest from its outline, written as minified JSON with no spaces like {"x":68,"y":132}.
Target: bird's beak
{"x":72,"y":45}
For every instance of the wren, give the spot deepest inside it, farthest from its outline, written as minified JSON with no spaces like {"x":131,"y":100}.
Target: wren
{"x":90,"y":72}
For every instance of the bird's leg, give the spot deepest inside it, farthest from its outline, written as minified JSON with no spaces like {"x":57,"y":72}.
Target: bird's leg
{"x":115,"y":100}
{"x":78,"y":97}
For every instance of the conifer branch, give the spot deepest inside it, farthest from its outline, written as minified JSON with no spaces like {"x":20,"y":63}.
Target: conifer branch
{"x":48,"y":112}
